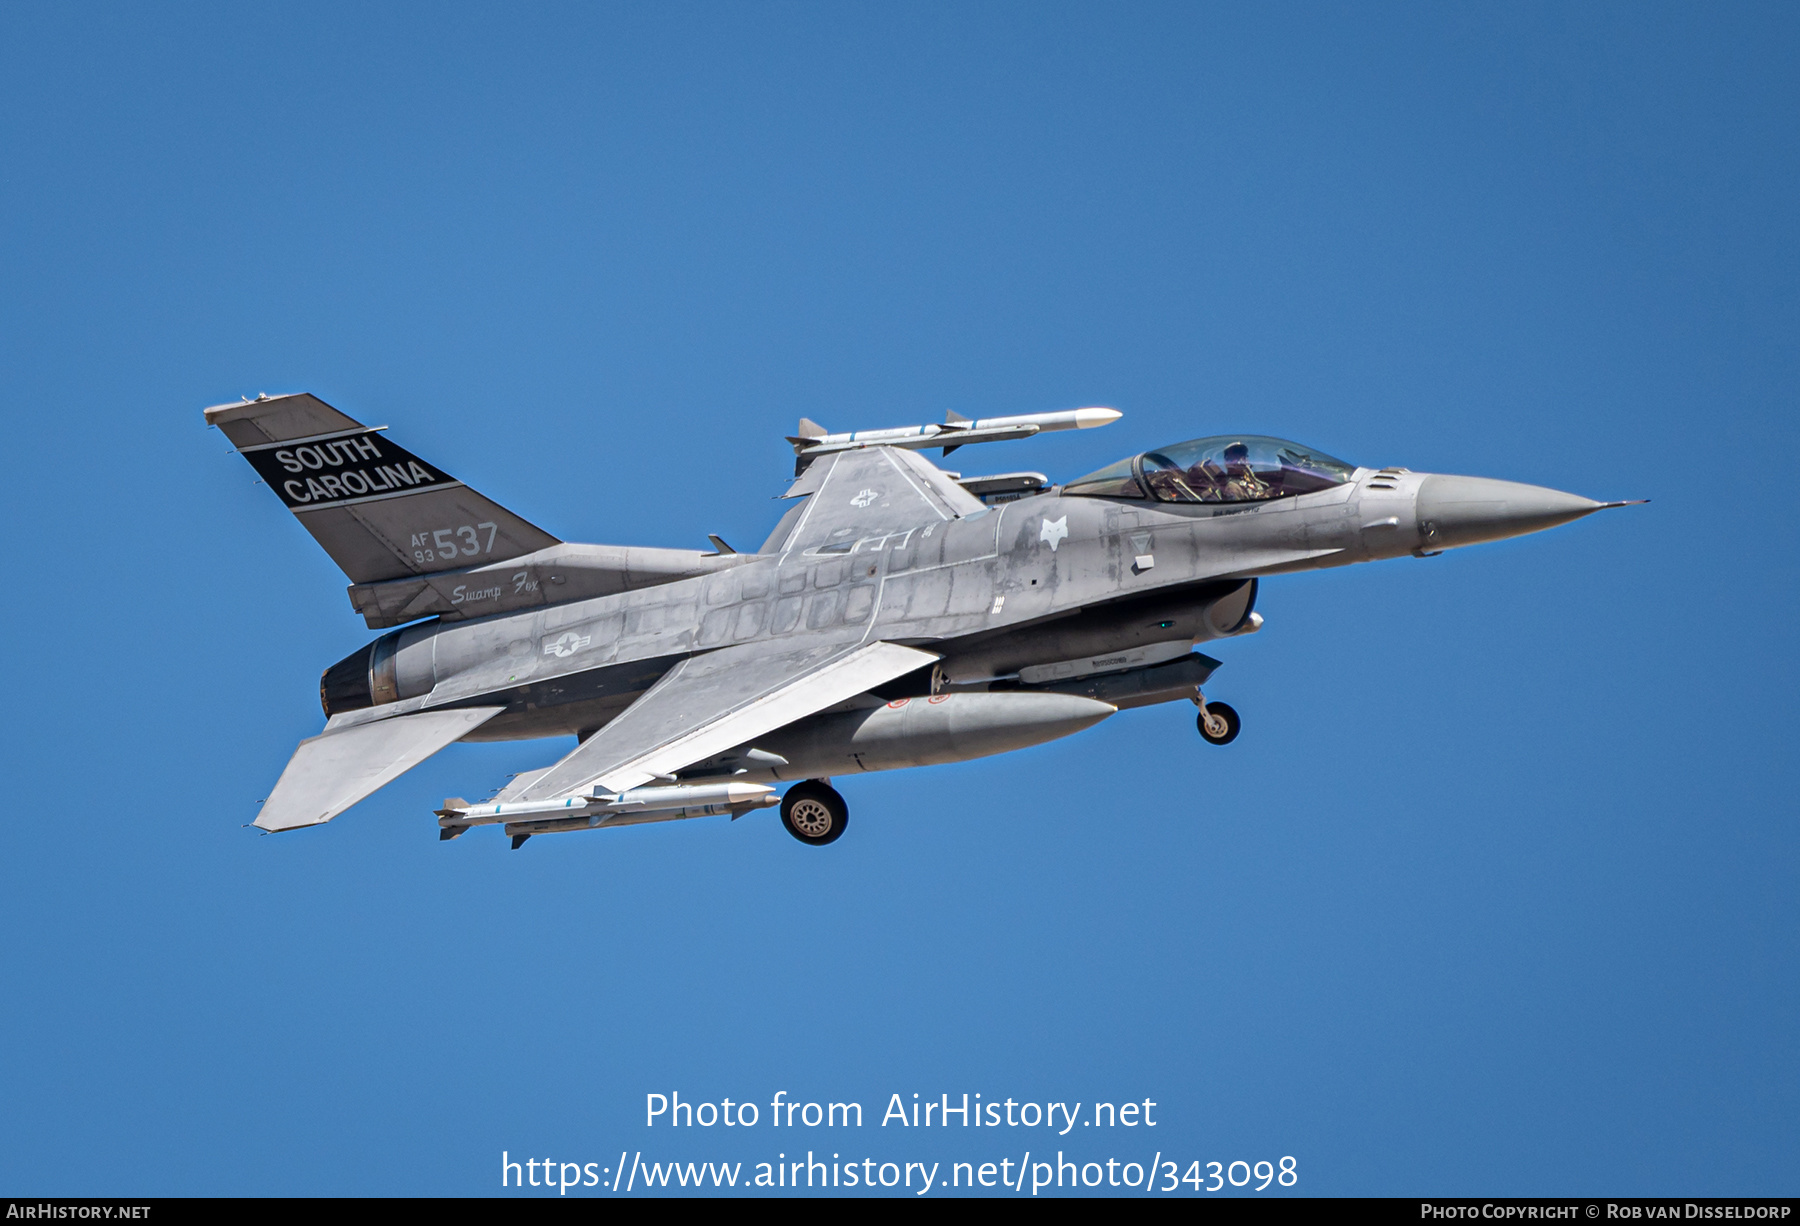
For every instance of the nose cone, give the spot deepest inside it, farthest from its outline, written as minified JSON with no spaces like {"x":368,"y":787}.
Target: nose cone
{"x":1456,"y":511}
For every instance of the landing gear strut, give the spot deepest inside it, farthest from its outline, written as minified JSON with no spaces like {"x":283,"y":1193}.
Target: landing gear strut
{"x":814,"y":813}
{"x":1218,"y":721}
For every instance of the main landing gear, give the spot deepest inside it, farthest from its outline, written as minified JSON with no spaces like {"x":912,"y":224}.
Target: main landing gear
{"x":814,"y":813}
{"x":1218,"y":722}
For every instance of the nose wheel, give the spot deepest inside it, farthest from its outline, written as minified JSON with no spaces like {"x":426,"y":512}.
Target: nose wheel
{"x":1218,"y":721}
{"x":814,"y":813}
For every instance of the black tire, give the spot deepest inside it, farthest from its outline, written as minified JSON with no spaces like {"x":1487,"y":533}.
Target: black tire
{"x":814,"y":813}
{"x":1219,"y":711}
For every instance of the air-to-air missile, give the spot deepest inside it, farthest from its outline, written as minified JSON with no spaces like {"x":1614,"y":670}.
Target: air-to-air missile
{"x":598,"y":807}
{"x":813,"y":440}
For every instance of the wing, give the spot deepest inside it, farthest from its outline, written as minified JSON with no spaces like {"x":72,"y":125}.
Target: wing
{"x":869,"y":492}
{"x":334,"y":770}
{"x":709,"y":703}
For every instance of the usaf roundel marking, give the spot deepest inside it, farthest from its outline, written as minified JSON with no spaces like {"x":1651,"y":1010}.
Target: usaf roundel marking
{"x":566,"y":644}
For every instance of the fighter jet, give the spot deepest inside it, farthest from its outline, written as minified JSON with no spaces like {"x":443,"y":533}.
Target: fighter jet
{"x":899,"y":615}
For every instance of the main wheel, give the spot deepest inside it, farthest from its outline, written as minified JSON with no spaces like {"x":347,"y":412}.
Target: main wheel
{"x":814,"y":813}
{"x":1219,"y":723}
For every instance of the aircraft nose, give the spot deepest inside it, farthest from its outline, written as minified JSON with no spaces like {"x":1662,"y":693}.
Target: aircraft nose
{"x":1456,"y":511}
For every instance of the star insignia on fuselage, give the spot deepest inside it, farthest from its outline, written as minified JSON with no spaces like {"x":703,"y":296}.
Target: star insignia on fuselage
{"x":865,"y":498}
{"x":1054,"y":532}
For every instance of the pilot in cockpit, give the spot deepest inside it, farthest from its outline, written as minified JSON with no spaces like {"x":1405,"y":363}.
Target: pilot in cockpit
{"x":1241,"y":482}
{"x":1235,"y":481}
{"x":1223,"y":468}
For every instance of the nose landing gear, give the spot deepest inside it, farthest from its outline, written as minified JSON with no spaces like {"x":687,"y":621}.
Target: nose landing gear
{"x":1218,"y":722}
{"x":814,"y":813}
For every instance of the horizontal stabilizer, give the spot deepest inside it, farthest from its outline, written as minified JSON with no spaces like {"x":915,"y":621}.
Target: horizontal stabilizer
{"x":334,"y":770}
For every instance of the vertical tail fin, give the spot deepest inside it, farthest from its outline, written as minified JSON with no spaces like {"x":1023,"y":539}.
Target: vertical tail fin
{"x":377,"y":509}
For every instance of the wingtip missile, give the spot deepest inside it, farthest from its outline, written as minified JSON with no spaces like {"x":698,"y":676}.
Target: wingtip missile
{"x":956,"y":431}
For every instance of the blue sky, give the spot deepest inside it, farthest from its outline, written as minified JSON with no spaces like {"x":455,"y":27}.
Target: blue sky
{"x":1494,"y":895}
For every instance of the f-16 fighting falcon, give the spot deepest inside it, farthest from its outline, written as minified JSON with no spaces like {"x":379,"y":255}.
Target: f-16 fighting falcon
{"x":899,"y":615}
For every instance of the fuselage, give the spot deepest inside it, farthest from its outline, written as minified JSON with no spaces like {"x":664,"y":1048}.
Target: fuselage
{"x":1025,"y":583}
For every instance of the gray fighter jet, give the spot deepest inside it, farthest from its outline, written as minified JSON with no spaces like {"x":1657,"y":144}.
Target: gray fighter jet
{"x":899,"y":615}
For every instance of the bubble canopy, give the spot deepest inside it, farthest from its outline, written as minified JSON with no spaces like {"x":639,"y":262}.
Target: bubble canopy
{"x":1224,"y":468}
